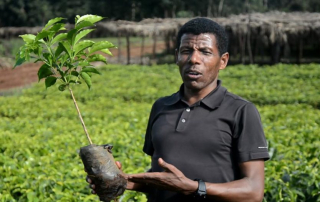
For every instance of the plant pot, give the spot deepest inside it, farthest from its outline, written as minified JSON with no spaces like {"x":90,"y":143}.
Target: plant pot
{"x":101,"y":168}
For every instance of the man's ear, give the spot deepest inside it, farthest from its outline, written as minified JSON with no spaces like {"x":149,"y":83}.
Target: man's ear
{"x":224,"y":60}
{"x":176,"y":56}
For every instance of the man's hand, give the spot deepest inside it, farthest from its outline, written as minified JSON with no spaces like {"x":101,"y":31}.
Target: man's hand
{"x":171,"y":179}
{"x":130,"y":185}
{"x":249,"y":188}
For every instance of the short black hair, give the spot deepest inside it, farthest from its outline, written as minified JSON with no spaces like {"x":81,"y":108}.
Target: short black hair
{"x":198,"y":26}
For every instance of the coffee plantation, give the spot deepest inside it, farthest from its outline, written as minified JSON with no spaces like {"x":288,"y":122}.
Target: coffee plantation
{"x":40,"y":135}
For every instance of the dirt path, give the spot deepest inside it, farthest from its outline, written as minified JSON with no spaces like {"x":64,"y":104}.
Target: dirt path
{"x":21,"y":76}
{"x":27,"y":73}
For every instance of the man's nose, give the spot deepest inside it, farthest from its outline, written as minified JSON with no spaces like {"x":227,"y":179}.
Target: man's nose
{"x":194,"y":57}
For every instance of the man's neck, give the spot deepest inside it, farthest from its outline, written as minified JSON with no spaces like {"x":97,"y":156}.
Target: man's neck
{"x":192,"y":96}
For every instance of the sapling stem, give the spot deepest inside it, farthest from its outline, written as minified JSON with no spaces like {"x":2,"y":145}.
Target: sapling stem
{"x":80,"y":117}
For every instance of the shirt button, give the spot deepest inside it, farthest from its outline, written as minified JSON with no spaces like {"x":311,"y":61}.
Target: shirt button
{"x":188,"y":109}
{"x":183,"y":120}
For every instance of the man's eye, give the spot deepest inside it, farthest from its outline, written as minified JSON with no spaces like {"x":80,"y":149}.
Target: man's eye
{"x":185,"y":51}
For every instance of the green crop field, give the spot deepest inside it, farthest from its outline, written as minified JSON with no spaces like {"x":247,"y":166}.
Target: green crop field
{"x":40,"y":134}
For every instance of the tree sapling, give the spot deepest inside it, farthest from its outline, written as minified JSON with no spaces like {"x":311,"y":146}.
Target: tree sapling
{"x":67,"y":59}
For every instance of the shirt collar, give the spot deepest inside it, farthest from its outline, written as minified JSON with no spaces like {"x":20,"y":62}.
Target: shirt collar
{"x":212,"y":100}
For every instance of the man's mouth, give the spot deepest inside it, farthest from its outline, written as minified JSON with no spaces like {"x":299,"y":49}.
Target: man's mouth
{"x":193,"y":74}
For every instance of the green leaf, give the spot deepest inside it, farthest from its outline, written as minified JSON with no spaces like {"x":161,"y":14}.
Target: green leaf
{"x":71,"y":35}
{"x":59,"y":50}
{"x":59,"y":37}
{"x":52,"y":21}
{"x":42,"y":35}
{"x":48,"y":58}
{"x":76,"y":82}
{"x":83,"y":24}
{"x":106,"y":51}
{"x":76,"y":18}
{"x":39,"y":50}
{"x":37,"y":60}
{"x":89,"y":18}
{"x":82,"y":34}
{"x":51,"y":80}
{"x":44,"y":71}
{"x":90,"y":69}
{"x":62,"y":73}
{"x":26,"y":55}
{"x":28,"y":38}
{"x":86,"y":78}
{"x":97,"y":57}
{"x":82,"y":45}
{"x":42,"y":41}
{"x":50,"y":36}
{"x":70,"y":66}
{"x":75,"y":73}
{"x":62,"y":87}
{"x":36,"y":50}
{"x":64,"y":58}
{"x":32,"y":196}
{"x":70,"y":77}
{"x":67,"y":47}
{"x":19,"y":61}
{"x":22,"y":52}
{"x":57,"y":27}
{"x":83,"y":63}
{"x":100,"y":46}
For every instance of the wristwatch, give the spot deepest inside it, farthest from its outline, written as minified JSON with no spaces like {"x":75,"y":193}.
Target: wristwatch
{"x":201,"y":192}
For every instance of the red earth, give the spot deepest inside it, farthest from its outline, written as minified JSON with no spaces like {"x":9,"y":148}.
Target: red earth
{"x":26,"y":74}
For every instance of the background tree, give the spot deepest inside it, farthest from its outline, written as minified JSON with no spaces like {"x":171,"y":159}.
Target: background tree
{"x":69,"y":9}
{"x":36,"y":12}
{"x":12,"y":13}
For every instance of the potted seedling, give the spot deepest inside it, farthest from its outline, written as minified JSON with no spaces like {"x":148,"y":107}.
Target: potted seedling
{"x":67,"y":60}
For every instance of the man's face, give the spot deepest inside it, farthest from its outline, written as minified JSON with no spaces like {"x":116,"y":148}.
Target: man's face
{"x":199,"y":61}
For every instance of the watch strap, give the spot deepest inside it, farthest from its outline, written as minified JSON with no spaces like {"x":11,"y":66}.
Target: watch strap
{"x":201,"y":192}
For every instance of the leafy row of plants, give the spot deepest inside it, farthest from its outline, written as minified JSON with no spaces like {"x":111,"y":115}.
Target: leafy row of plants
{"x":40,"y":131}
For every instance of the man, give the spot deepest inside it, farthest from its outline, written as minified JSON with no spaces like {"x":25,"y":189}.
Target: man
{"x":206,"y":144}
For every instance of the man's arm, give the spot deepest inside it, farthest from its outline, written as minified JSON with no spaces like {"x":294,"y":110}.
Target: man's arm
{"x":249,"y":188}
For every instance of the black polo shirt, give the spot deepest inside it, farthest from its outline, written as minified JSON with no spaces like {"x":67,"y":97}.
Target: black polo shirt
{"x":206,"y":140}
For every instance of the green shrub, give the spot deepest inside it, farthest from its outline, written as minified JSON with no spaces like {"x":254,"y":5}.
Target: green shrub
{"x":39,"y":129}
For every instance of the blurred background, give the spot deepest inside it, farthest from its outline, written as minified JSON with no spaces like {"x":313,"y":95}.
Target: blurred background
{"x":274,"y":62}
{"x":38,"y":12}
{"x":260,"y":31}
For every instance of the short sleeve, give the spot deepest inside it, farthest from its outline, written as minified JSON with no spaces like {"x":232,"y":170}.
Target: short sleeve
{"x":148,"y":145}
{"x":249,"y":137}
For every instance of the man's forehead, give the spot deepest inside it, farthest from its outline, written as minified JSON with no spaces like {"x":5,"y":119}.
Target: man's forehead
{"x":207,"y":38}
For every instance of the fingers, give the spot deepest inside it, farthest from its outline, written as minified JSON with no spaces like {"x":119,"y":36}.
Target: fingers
{"x":88,"y":180}
{"x":146,"y":177}
{"x":91,"y":186}
{"x":119,"y":165}
{"x":142,"y":179}
{"x":141,"y":176}
{"x":162,"y":162}
{"x":165,"y":165}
